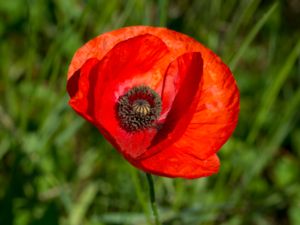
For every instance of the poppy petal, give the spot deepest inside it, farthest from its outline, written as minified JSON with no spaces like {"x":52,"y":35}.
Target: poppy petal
{"x":102,"y":44}
{"x":98,"y":47}
{"x":182,"y":79}
{"x":213,"y":121}
{"x":200,"y":99}
{"x":175,"y":162}
{"x":216,"y":116}
{"x":79,"y":87}
{"x":128,"y":64}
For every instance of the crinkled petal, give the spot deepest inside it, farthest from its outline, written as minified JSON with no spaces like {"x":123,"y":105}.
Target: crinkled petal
{"x":216,"y":116}
{"x":98,"y":47}
{"x":79,"y":87}
{"x":190,"y":135}
{"x":137,"y":61}
{"x":183,"y":78}
{"x":175,"y":162}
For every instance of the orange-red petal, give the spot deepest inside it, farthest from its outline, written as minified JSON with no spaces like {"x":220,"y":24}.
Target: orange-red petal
{"x":216,"y":116}
{"x":133,"y":62}
{"x":181,"y":94}
{"x":175,"y":162}
{"x":200,"y":97}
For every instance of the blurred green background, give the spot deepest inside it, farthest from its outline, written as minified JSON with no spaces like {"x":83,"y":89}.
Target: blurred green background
{"x":55,"y":168}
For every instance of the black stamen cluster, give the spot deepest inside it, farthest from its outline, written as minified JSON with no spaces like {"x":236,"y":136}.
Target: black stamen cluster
{"x":130,"y":119}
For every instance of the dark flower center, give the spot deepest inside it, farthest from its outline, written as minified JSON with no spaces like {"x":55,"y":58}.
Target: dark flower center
{"x":138,"y":109}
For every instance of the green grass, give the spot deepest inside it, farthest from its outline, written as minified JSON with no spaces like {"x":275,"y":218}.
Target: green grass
{"x":55,"y":168}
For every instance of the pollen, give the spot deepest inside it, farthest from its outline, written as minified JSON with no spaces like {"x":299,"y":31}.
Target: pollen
{"x":138,"y":109}
{"x":141,"y":106}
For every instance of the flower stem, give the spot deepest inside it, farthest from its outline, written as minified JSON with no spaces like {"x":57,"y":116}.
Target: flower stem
{"x":152,"y":199}
{"x":140,"y":194}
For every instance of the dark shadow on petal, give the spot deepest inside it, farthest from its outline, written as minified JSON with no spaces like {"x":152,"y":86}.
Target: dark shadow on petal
{"x":191,"y":64}
{"x":91,"y":98}
{"x":72,"y":84}
{"x":190,"y":69}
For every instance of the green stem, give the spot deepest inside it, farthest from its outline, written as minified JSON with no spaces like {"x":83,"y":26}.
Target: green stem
{"x":140,"y":194}
{"x":152,"y":199}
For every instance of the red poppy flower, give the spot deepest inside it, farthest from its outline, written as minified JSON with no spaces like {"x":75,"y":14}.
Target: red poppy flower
{"x":163,"y":100}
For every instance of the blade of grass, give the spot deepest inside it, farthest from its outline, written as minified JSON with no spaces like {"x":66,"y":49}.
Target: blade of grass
{"x":271,"y":93}
{"x":285,"y":125}
{"x":80,"y":207}
{"x":250,"y":37}
{"x":163,"y":12}
{"x":229,"y":9}
{"x":129,"y":9}
{"x":125,"y":218}
{"x":147,"y":12}
{"x":66,"y":134}
{"x":241,"y":17}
